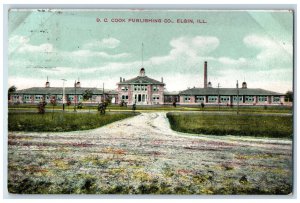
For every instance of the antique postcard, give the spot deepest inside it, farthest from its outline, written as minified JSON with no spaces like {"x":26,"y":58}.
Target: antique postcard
{"x":184,"y":102}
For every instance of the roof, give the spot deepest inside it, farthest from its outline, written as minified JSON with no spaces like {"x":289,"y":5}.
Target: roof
{"x":174,"y":93}
{"x":229,"y":91}
{"x":141,"y":79}
{"x":59,"y":90}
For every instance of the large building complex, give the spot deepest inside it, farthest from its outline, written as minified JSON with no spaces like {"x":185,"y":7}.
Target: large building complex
{"x":143,"y":90}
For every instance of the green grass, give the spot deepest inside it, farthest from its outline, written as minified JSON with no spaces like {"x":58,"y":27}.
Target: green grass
{"x":244,"y":125}
{"x":242,"y":109}
{"x":61,"y":122}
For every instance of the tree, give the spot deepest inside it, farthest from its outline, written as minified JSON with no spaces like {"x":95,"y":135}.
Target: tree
{"x":69,"y":103}
{"x":41,"y":107}
{"x":289,"y":96}
{"x":11,"y":90}
{"x":87,"y":95}
{"x":53,"y":102}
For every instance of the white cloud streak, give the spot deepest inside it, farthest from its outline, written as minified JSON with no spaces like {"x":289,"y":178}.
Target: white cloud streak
{"x":109,"y":43}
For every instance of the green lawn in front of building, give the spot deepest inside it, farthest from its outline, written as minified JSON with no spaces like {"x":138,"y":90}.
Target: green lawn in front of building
{"x":242,"y":109}
{"x":61,"y":122}
{"x":276,"y":126}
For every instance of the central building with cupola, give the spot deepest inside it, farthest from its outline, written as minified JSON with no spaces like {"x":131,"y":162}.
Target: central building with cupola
{"x":141,"y":90}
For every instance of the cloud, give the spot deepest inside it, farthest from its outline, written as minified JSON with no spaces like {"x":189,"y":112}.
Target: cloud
{"x":230,"y":61}
{"x":188,"y":47}
{"x":88,"y":53}
{"x":21,"y":44}
{"x":270,"y":48}
{"x":109,"y":43}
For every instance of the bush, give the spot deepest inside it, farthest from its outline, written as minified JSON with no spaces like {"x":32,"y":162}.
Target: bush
{"x":41,"y":107}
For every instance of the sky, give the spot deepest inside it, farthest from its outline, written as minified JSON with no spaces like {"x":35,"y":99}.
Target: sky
{"x":251,"y":46}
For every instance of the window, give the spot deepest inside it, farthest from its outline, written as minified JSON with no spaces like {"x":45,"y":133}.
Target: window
{"x":124,"y":97}
{"x":224,"y":99}
{"x":235,"y":98}
{"x":249,"y":98}
{"x":186,"y":99}
{"x":155,"y":88}
{"x":262,"y":98}
{"x":27,"y":97}
{"x":140,"y":87}
{"x":38,"y":97}
{"x":212,"y":99}
{"x":155,"y":97}
{"x":59,"y":97}
{"x":276,"y":99}
{"x":71,"y":97}
{"x":199,"y":99}
{"x":124,"y":88}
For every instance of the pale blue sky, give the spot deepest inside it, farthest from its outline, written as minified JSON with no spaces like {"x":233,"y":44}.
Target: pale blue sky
{"x":256,"y":45}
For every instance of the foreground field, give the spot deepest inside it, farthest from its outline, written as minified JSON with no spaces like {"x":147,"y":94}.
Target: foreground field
{"x":264,"y":125}
{"x":142,"y":155}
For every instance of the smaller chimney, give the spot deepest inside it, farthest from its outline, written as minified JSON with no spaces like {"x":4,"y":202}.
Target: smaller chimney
{"x":162,"y":79}
{"x":78,"y":83}
{"x":142,"y":72}
{"x":120,"y":79}
{"x":123,"y":79}
{"x":209,"y":84}
{"x":47,"y":83}
{"x":205,"y":74}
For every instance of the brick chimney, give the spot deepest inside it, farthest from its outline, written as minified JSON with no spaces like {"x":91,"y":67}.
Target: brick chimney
{"x":205,"y":74}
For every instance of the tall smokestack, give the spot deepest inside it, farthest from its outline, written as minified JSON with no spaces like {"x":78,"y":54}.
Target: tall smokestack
{"x":205,"y":74}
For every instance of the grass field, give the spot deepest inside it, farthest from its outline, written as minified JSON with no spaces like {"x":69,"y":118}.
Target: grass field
{"x":246,"y":125}
{"x":61,"y":122}
{"x":242,"y":109}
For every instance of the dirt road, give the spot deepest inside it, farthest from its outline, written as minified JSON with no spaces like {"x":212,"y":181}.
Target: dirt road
{"x":143,"y":155}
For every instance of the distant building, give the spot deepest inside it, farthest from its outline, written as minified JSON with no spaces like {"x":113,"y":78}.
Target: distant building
{"x":229,"y":96}
{"x":72,"y":94}
{"x":143,"y":90}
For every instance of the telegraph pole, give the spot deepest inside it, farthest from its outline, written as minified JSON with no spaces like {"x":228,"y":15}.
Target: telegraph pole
{"x":75,"y":97}
{"x":63,"y":93}
{"x":238,"y":99}
{"x":142,"y":54}
{"x":103,"y":93}
{"x":218,"y":96}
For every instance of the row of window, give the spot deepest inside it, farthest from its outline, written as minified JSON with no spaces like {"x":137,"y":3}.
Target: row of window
{"x":143,"y":97}
{"x":155,"y":88}
{"x":155,"y":98}
{"x":212,"y":99}
{"x":47,"y":97}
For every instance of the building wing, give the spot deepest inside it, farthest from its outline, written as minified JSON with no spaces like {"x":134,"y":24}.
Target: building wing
{"x":229,"y":92}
